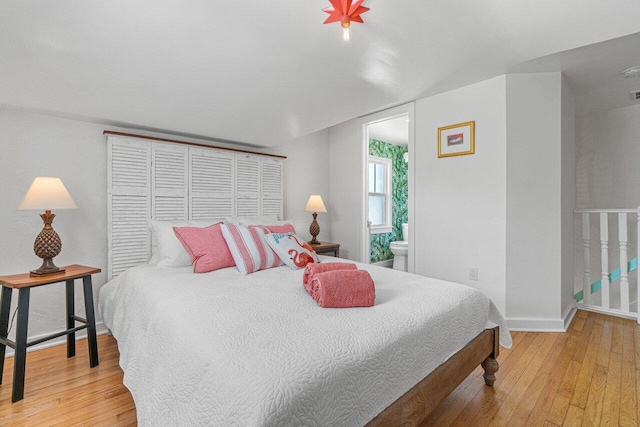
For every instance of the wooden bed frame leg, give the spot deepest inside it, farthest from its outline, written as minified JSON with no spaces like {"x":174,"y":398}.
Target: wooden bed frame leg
{"x":490,"y":366}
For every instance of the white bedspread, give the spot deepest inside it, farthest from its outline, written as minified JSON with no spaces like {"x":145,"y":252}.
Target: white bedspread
{"x":225,"y":349}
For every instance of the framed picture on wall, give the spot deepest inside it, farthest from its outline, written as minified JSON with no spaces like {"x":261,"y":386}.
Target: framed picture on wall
{"x":456,"y":140}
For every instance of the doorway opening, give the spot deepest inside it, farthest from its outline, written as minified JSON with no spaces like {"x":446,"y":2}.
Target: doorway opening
{"x":388,"y":137}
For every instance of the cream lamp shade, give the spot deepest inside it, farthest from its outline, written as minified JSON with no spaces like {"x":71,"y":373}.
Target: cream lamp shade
{"x":315,"y":204}
{"x":47,"y":193}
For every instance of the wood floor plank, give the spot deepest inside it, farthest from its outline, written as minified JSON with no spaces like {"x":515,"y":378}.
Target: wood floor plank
{"x":593,"y":408}
{"x":637,"y":392}
{"x":559,"y":364}
{"x":578,"y":321}
{"x":605,"y":343}
{"x":574,"y":416}
{"x":616,"y":336}
{"x":628,"y":402}
{"x":542,"y":381}
{"x":527,"y":402}
{"x":525,"y":383}
{"x":611,"y":403}
{"x":628,"y":343}
{"x":558,"y":411}
{"x":583,"y":383}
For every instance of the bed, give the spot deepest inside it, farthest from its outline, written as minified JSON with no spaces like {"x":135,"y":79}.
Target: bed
{"x":225,"y":349}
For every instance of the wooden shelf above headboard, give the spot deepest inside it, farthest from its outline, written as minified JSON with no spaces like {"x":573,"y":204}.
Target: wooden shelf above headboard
{"x":195,"y":144}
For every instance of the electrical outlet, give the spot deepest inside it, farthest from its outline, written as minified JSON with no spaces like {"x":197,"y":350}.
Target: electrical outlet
{"x":473,"y":273}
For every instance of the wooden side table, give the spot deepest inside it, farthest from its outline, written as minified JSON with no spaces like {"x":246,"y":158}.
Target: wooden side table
{"x":327,"y":248}
{"x":24,"y":283}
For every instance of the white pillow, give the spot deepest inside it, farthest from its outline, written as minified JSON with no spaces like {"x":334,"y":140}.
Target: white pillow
{"x":166,"y":249}
{"x":292,"y":250}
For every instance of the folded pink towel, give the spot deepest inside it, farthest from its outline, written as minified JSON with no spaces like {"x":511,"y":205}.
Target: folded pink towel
{"x":312,"y":268}
{"x":343,"y":288}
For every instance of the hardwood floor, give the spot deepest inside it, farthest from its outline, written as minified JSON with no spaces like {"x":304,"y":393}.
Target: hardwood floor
{"x":589,"y":376}
{"x":66,"y":392}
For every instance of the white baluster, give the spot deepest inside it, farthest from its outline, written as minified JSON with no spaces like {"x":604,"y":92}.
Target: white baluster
{"x":586,"y":280}
{"x":624,"y":276}
{"x":604,"y":259}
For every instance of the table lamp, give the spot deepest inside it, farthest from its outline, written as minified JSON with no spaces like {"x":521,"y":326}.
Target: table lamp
{"x":47,"y":193}
{"x":315,"y":205}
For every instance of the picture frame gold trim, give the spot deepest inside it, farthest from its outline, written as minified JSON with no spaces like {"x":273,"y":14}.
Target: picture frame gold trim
{"x":464,"y":148}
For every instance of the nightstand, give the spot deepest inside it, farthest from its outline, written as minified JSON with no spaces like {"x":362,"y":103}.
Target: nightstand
{"x":24,"y":283}
{"x":327,"y":248}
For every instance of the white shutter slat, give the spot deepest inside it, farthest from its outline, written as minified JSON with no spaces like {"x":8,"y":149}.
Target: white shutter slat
{"x":247,"y":182}
{"x":272,"y":207}
{"x":272,"y":177}
{"x":204,"y":208}
{"x":169,"y":182}
{"x":211,"y":194}
{"x":247,"y":206}
{"x":272,"y":186}
{"x":129,"y":179}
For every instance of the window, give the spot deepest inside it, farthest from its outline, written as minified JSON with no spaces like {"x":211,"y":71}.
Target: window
{"x":380,"y":195}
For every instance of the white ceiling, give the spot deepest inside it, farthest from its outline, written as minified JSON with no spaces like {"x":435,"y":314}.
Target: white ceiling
{"x":594,"y":72}
{"x":265,"y":72}
{"x":394,"y":131}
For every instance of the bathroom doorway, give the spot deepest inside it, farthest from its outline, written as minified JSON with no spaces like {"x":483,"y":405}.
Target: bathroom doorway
{"x":388,"y":139}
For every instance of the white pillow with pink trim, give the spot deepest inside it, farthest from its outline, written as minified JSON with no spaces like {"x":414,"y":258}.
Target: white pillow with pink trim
{"x":249,"y":248}
{"x":295,"y":252}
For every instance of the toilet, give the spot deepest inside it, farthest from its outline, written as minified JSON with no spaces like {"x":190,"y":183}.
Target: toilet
{"x":400,"y":250}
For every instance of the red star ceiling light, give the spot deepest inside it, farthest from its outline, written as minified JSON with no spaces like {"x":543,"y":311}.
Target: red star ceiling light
{"x":345,"y":12}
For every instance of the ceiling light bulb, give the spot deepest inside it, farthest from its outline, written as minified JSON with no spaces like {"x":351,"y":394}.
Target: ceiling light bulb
{"x":346,"y":36}
{"x":345,"y":24}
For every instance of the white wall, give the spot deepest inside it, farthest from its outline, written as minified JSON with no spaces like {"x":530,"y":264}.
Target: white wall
{"x":535,"y":200}
{"x":607,"y":153}
{"x":568,"y":166}
{"x":346,"y":159}
{"x":33,"y":144}
{"x":607,"y":173}
{"x":306,"y":172}
{"x":507,"y":209}
{"x":460,"y":202}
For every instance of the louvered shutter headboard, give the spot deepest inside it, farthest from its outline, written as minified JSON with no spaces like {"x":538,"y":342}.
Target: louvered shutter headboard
{"x":164,"y":181}
{"x":129,"y":203}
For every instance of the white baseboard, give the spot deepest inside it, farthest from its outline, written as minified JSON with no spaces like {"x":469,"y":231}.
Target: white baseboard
{"x":387,"y":263}
{"x":101,"y":329}
{"x":568,"y":317}
{"x":610,"y":312}
{"x":543,"y":325}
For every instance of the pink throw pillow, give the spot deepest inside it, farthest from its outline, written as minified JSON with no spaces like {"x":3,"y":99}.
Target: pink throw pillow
{"x":249,"y":248}
{"x":206,"y":247}
{"x":285,"y":228}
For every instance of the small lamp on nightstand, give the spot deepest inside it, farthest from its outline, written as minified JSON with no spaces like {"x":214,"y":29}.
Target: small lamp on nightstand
{"x":46,"y":193}
{"x":315,"y":205}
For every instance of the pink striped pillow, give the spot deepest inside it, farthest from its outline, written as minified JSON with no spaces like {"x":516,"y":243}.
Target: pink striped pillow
{"x":248,"y":247}
{"x":206,"y":247}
